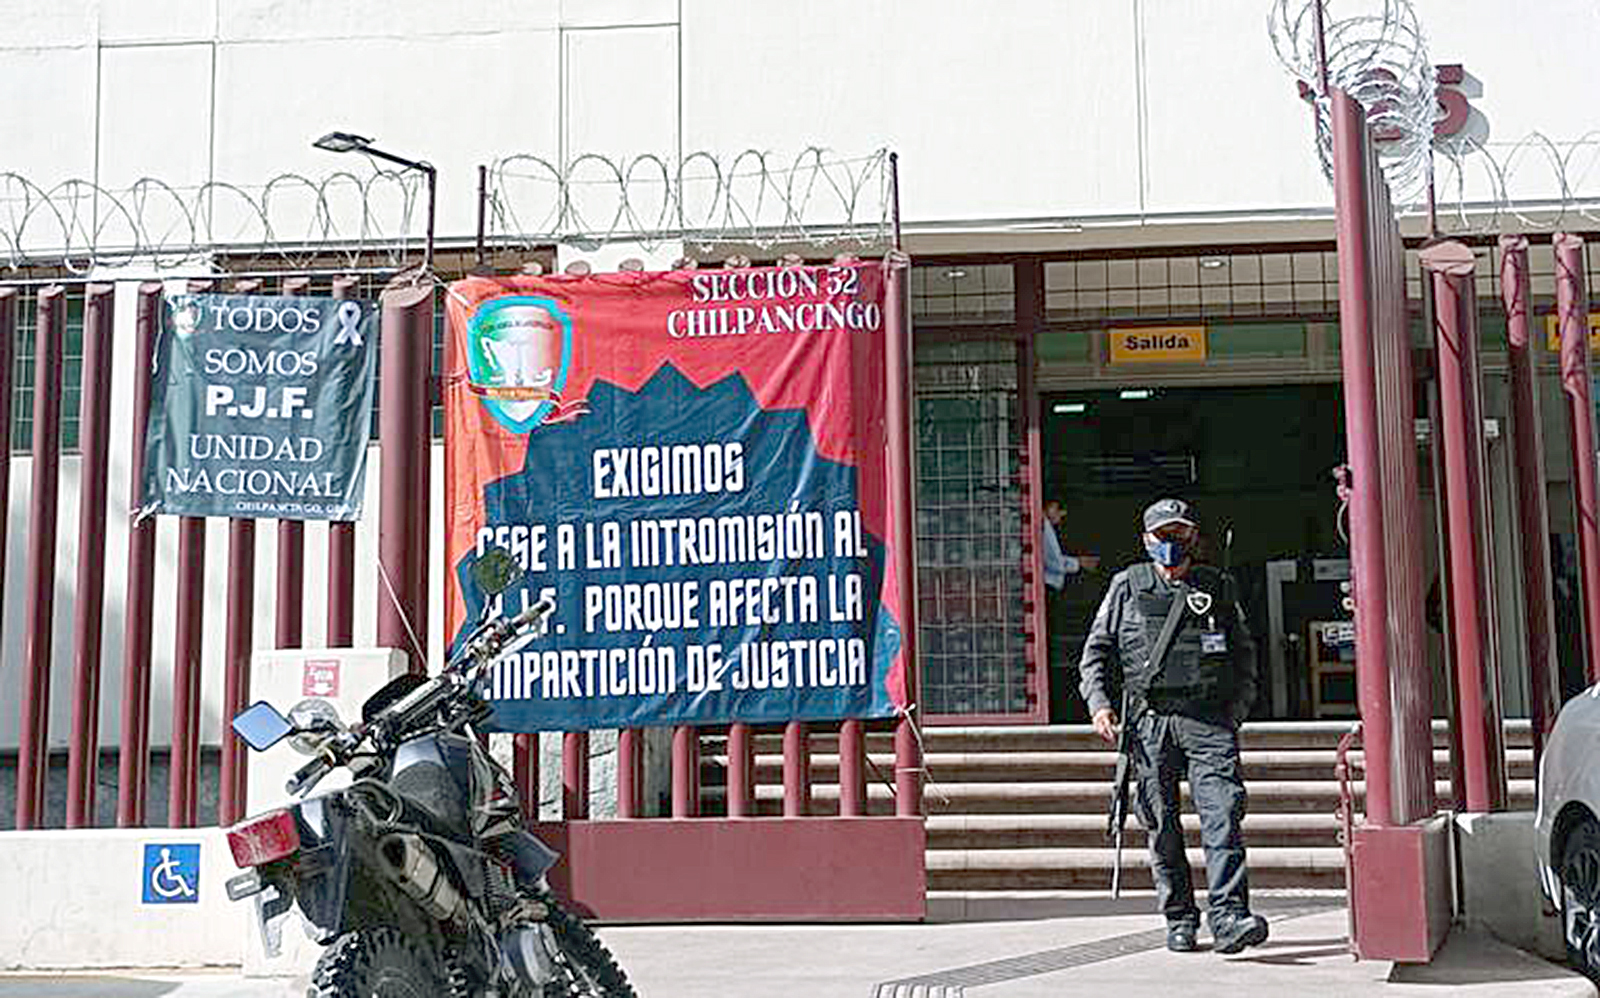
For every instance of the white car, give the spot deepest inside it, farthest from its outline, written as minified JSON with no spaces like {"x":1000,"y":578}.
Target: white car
{"x":1567,"y":826}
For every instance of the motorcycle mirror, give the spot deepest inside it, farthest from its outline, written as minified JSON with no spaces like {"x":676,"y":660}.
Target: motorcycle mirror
{"x":495,"y":571}
{"x":261,"y":726}
{"x":311,"y":718}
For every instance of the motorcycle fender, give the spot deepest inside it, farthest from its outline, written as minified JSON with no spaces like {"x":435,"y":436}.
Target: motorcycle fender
{"x":323,"y":867}
{"x":532,"y":858}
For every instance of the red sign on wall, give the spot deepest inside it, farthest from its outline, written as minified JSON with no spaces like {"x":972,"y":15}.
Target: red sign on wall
{"x":321,"y":678}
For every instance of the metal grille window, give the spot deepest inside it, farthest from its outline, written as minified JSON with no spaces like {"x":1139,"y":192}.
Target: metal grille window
{"x":969,"y":528}
{"x":1300,"y":282}
{"x":975,"y":293}
{"x":23,"y":371}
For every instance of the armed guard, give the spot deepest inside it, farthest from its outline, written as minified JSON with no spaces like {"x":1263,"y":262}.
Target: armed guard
{"x":1171,"y":635}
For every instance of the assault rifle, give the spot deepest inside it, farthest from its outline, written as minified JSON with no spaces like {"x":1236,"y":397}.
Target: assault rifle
{"x":1119,"y":794}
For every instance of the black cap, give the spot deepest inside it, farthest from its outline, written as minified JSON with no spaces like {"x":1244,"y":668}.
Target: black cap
{"x":1165,"y":511}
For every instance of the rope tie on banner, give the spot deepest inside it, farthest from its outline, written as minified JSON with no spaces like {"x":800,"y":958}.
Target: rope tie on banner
{"x":383,"y":573}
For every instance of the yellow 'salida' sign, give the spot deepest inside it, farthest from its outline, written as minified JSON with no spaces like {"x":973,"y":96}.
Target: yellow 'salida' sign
{"x":1153,"y":344}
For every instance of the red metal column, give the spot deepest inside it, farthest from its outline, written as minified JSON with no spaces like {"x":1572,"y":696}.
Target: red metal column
{"x":133,"y":761}
{"x":422,"y":469}
{"x":852,"y":771}
{"x":1572,"y":309}
{"x":575,"y":775}
{"x":525,"y":773}
{"x":629,"y":745}
{"x":402,"y":403}
{"x":796,"y":770}
{"x":33,"y":750}
{"x":1028,"y":279}
{"x":1533,"y":516}
{"x":902,"y":517}
{"x":183,"y":768}
{"x":1470,"y":591}
{"x":342,"y":553}
{"x":1361,"y":432}
{"x":8,"y":338}
{"x":740,"y":789}
{"x":289,"y":592}
{"x":685,"y":771}
{"x":239,"y":636}
{"x":94,"y":423}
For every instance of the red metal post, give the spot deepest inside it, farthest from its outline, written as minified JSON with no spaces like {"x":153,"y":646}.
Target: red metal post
{"x":402,"y":405}
{"x":239,"y":631}
{"x":33,"y":749}
{"x":852,"y":771}
{"x":184,"y":765}
{"x":289,"y":592}
{"x":902,"y":516}
{"x":8,"y":338}
{"x":342,"y":553}
{"x":685,"y":771}
{"x":1361,"y":432}
{"x":1471,"y":598}
{"x":133,"y":762}
{"x":1572,"y":309}
{"x":575,"y":775}
{"x":239,"y":639}
{"x":525,"y":773}
{"x":796,"y":770}
{"x":1533,"y":516}
{"x":741,"y":785}
{"x":183,"y":770}
{"x":1028,"y":279}
{"x":629,"y":745}
{"x":94,"y":422}
{"x":422,"y":468}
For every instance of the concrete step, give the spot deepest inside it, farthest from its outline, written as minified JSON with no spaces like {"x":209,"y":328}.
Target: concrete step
{"x":1267,"y":797}
{"x":1009,"y":767}
{"x":1088,"y":831}
{"x":1064,"y":869}
{"x":1073,"y":737}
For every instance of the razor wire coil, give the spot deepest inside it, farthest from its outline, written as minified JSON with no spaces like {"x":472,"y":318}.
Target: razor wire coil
{"x":1374,"y":51}
{"x":289,"y":222}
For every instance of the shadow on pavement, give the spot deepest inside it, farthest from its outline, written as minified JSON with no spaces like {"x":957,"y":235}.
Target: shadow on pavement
{"x":96,"y":986}
{"x":1469,"y":957}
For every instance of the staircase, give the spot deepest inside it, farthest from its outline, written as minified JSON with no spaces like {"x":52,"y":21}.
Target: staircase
{"x":1024,"y":808}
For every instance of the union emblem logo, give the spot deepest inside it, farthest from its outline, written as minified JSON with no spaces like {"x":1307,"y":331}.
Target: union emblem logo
{"x":519,"y":352}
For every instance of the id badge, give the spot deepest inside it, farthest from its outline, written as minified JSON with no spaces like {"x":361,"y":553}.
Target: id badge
{"x":1213,"y":643}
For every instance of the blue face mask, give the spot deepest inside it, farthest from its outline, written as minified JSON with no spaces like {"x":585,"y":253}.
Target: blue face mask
{"x":1167,"y":554}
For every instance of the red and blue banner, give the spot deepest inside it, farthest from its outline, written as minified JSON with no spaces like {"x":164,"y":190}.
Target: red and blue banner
{"x":693,"y":465}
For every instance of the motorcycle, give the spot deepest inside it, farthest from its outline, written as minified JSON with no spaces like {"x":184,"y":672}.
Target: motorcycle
{"x":419,"y":877}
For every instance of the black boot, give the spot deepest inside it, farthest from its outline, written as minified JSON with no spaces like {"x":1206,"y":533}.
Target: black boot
{"x":1180,"y":937}
{"x":1234,"y":931}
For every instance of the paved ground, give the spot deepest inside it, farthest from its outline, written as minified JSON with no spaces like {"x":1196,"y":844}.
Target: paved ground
{"x":1073,"y":945}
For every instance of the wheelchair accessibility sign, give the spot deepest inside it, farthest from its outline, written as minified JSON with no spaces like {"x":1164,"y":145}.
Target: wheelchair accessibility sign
{"x":171,"y":873}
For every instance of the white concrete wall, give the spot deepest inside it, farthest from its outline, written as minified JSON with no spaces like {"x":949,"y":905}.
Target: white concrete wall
{"x":75,"y":899}
{"x":1013,"y":109}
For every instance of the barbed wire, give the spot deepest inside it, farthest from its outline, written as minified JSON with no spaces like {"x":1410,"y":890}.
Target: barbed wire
{"x":1476,"y":181}
{"x":289,"y":222}
{"x":1374,"y":52}
{"x":752,"y":197}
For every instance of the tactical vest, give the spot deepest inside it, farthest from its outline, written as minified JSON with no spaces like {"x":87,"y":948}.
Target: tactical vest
{"x":1187,"y":674}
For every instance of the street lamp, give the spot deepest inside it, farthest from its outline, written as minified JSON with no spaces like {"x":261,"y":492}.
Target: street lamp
{"x":351,"y":142}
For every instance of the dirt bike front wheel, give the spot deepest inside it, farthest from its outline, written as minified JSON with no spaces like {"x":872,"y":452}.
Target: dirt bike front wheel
{"x":585,"y":968}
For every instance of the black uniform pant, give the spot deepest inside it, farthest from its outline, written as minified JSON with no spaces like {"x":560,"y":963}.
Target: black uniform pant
{"x":1171,"y":747}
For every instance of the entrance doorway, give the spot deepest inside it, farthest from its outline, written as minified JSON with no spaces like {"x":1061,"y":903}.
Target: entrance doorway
{"x":1256,"y":462}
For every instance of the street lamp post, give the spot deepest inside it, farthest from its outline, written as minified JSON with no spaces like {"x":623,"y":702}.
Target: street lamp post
{"x":350,"y":142}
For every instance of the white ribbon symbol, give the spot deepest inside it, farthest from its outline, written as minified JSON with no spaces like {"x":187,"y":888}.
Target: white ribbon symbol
{"x":349,"y":324}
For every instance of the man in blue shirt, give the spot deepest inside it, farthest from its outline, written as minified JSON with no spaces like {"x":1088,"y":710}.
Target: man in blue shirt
{"x":1057,"y":566}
